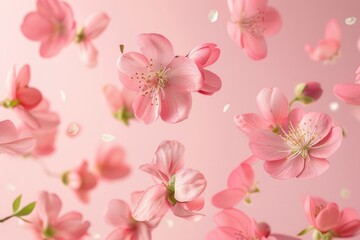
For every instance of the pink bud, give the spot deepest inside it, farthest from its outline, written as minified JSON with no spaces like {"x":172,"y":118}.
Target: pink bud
{"x":308,"y":92}
{"x":263,"y":229}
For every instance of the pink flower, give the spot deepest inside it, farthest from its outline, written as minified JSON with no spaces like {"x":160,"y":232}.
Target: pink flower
{"x":179,"y":189}
{"x":251,"y":21}
{"x":110,"y":162}
{"x":47,"y":224}
{"x":329,"y":221}
{"x":94,"y":26}
{"x":20,"y":92}
{"x":328,"y":48}
{"x":349,"y":92}
{"x":118,"y":215}
{"x":52,"y":24}
{"x":300,"y":149}
{"x":120,"y":102}
{"x":234,"y":224}
{"x":205,"y":55}
{"x":81,"y":181}
{"x":163,"y":82}
{"x":274,"y":109}
{"x":11,"y":143}
{"x":241,"y":183}
{"x":308,"y":92}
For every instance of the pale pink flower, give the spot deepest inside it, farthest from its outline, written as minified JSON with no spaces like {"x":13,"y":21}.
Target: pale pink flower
{"x":11,"y":143}
{"x":52,"y":24}
{"x":48,"y":224}
{"x":349,"y":92}
{"x":118,"y":215}
{"x":328,"y":48}
{"x":274,"y":109}
{"x":251,"y":21}
{"x":81,"y":180}
{"x":241,"y":183}
{"x":234,"y":224}
{"x":301,"y":147}
{"x":327,"y":219}
{"x":308,"y":92}
{"x":110,"y":162}
{"x":163,"y":82}
{"x":179,"y":189}
{"x":205,"y":55}
{"x":93,"y":27}
{"x":120,"y":102}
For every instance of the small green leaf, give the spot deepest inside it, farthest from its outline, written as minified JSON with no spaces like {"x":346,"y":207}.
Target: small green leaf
{"x":305,"y":231}
{"x":26,"y":210}
{"x":122,"y":47}
{"x":16,"y":204}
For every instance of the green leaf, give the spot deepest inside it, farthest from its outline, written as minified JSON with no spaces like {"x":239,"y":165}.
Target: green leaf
{"x":305,"y":231}
{"x":26,"y":210}
{"x":16,"y":204}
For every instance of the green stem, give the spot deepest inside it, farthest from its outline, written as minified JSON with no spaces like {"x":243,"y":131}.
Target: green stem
{"x":295,"y":99}
{"x":5,"y":219}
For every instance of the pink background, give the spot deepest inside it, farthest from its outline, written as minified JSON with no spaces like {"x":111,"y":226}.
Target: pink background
{"x":213,"y":144}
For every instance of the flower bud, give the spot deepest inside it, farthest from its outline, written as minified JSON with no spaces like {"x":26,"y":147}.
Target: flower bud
{"x":308,"y":92}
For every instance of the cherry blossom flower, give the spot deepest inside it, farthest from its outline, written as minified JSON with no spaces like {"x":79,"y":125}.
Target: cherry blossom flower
{"x":205,"y":55}
{"x":349,"y":92}
{"x":251,"y":21}
{"x":52,"y":24}
{"x":328,"y":48}
{"x":179,"y":189}
{"x":48,"y":224}
{"x":163,"y":82}
{"x":93,"y":27}
{"x":301,"y":148}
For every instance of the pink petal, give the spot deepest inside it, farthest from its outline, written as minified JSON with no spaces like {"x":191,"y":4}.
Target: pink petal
{"x":228,"y":198}
{"x":252,"y":7}
{"x":88,"y":53}
{"x":329,"y":145}
{"x":11,"y":83}
{"x":45,"y":141}
{"x":236,"y":8}
{"x":8,"y":131}
{"x":196,"y":204}
{"x":250,"y":122}
{"x":155,"y":172}
{"x":273,"y":105}
{"x":285,"y":168}
{"x":314,"y":167}
{"x":117,"y":213}
{"x":48,"y":207}
{"x":95,"y":25}
{"x":52,"y":46}
{"x":152,"y":204}
{"x":71,"y":226}
{"x":333,"y":30}
{"x":242,"y":177}
{"x":254,"y":46}
{"x":156,"y":47}
{"x":189,"y":184}
{"x":23,"y":77}
{"x":234,"y":32}
{"x":179,"y":210}
{"x":121,"y":234}
{"x":349,"y":224}
{"x":176,"y":106}
{"x":236,"y":219}
{"x":312,"y":206}
{"x":29,"y":97}
{"x":145,"y":110}
{"x":267,"y":145}
{"x":205,"y":54}
{"x":348,"y":92}
{"x":35,"y":27}
{"x":272,"y":21}
{"x":212,"y":83}
{"x":184,"y":75}
{"x":113,"y":97}
{"x":142,"y":231}
{"x":224,"y":233}
{"x":20,"y":146}
{"x":328,"y":218}
{"x":321,"y":123}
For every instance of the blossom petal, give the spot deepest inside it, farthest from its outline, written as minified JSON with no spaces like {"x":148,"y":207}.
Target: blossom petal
{"x":285,"y":168}
{"x":189,"y":184}
{"x":311,"y":206}
{"x":35,"y":27}
{"x":179,"y":210}
{"x":176,"y":107}
{"x":330,"y":144}
{"x":120,"y":234}
{"x":252,"y":7}
{"x":272,"y":21}
{"x":29,"y":97}
{"x":349,"y":223}
{"x":255,"y":47}
{"x":231,"y":217}
{"x":95,"y":25}
{"x":328,"y":218}
{"x":48,"y":206}
{"x":317,"y":125}
{"x":212,"y":83}
{"x":23,"y":77}
{"x":20,"y":146}
{"x":348,"y":92}
{"x":52,"y":46}
{"x":117,"y":213}
{"x":229,"y":197}
{"x":250,"y":122}
{"x":223,"y":233}
{"x":235,"y":33}
{"x":71,"y":226}
{"x":242,"y":176}
{"x":88,"y":54}
{"x":145,"y":110}
{"x":333,"y":30}
{"x":314,"y":167}
{"x":8,"y":131}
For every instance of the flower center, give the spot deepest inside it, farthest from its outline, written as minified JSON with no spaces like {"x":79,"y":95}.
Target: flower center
{"x":254,"y":24}
{"x":48,"y":232}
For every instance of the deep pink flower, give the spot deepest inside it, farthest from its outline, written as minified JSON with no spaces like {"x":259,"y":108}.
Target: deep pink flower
{"x":349,"y":92}
{"x":328,"y":48}
{"x":308,"y":92}
{"x":241,"y":183}
{"x":205,"y":55}
{"x":251,"y":21}
{"x":52,"y":24}
{"x":48,"y":224}
{"x":274,"y":109}
{"x":81,"y":180}
{"x":234,"y":224}
{"x":120,"y":102}
{"x":301,"y":148}
{"x":179,"y":189}
{"x":94,"y":26}
{"x":110,"y":162}
{"x":11,"y":143}
{"x":163,"y":82}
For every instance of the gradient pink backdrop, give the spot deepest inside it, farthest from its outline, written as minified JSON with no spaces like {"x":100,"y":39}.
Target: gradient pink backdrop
{"x":213,"y":144}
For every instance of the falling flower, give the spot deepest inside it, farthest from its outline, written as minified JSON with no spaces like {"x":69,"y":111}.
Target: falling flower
{"x":349,"y":92}
{"x":308,"y":92}
{"x":251,"y":21}
{"x":93,"y":27}
{"x":179,"y":189}
{"x":52,"y":24}
{"x":47,"y":224}
{"x":301,"y":147}
{"x":163,"y":82}
{"x":328,"y":48}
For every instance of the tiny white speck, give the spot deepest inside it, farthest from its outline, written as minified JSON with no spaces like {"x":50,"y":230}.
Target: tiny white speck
{"x":213,"y":15}
{"x":334,"y":106}
{"x":350,"y":20}
{"x":107,"y":137}
{"x":170,"y":223}
{"x":73,"y":130}
{"x":20,"y":222}
{"x":63,"y":95}
{"x":96,"y":236}
{"x":10,"y":187}
{"x":345,"y":193}
{"x":226,"y":107}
